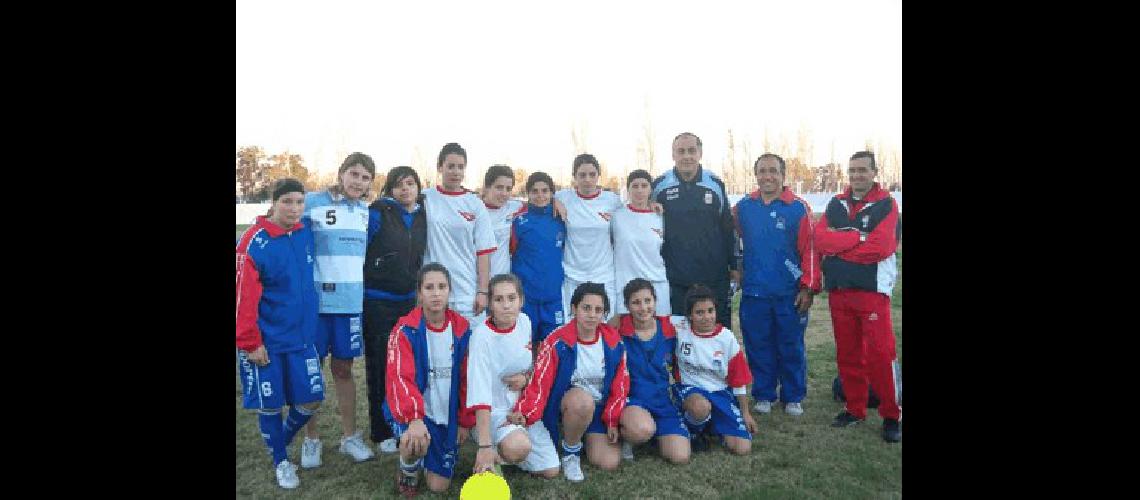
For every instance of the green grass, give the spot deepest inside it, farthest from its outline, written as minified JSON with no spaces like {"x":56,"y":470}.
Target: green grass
{"x":791,"y":457}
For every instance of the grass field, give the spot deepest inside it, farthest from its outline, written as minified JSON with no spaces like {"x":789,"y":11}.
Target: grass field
{"x":791,"y":457}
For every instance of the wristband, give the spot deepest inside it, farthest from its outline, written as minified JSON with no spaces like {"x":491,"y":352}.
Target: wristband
{"x":486,"y":446}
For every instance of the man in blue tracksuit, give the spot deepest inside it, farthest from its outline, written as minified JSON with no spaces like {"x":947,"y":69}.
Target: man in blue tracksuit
{"x":537,"y":241}
{"x":698,"y":243}
{"x":781,"y":272}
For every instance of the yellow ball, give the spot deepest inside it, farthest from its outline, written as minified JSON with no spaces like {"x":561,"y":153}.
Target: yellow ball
{"x":485,"y":485}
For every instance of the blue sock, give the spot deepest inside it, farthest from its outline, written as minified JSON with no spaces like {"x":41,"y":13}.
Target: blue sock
{"x":273,"y":433}
{"x":572,"y":450}
{"x":296,"y":420}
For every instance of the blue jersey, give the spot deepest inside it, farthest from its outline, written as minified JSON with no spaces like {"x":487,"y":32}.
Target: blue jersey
{"x":340,"y":234}
{"x":650,"y":363}
{"x":276,"y":299}
{"x":778,"y":254}
{"x":537,"y":242}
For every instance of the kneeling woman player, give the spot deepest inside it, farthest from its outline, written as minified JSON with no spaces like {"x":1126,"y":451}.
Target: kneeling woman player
{"x":651,"y":345}
{"x":277,"y":323}
{"x":500,"y":362}
{"x":580,"y":378}
{"x":426,"y":384}
{"x":709,"y":362}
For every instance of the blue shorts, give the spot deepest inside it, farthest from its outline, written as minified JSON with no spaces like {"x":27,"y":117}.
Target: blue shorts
{"x":725,"y":417}
{"x":545,"y":317}
{"x":341,"y":334}
{"x":668,"y":419}
{"x":440,"y":458}
{"x":291,"y":378}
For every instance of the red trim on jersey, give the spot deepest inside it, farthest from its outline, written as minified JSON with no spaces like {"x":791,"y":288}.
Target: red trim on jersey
{"x":446,"y":320}
{"x":667,"y":328}
{"x":597,"y":335}
{"x":487,"y":251}
{"x":248,"y":294}
{"x":532,"y":402}
{"x":619,"y":391}
{"x":480,"y":407}
{"x":738,"y":373}
{"x":714,"y":333}
{"x":492,"y":207}
{"x":403,"y":397}
{"x":491,"y":324}
{"x":451,"y":193}
{"x":588,"y":197}
{"x":638,"y":210}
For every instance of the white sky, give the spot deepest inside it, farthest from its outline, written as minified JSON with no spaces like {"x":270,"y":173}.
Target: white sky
{"x":509,"y":80}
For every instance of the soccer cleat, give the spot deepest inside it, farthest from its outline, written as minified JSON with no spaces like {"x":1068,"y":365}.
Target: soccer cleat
{"x":794,"y":409}
{"x":572,"y":468}
{"x":407,"y":484}
{"x":310,"y":453}
{"x":845,"y":419}
{"x":762,"y":407}
{"x":626,"y":450}
{"x":354,"y":447}
{"x":388,"y":446}
{"x":287,"y":475}
{"x":892,"y":430}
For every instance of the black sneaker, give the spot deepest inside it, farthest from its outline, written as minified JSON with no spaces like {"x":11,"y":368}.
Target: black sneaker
{"x":892,"y":430}
{"x":700,"y":442}
{"x":845,"y":419}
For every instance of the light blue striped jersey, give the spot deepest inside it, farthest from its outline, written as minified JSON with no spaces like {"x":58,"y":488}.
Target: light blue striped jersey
{"x":340,"y":228}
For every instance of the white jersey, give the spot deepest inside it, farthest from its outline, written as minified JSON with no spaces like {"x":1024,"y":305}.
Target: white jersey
{"x":711,"y":361}
{"x":638,"y":235}
{"x":589,"y":253}
{"x":439,"y":346}
{"x":492,"y":355}
{"x":458,"y":231}
{"x":590,"y":368}
{"x":501,"y":219}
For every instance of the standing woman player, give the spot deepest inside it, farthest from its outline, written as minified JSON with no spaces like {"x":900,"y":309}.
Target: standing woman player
{"x":339,"y":219}
{"x":426,"y":385}
{"x":650,"y":346}
{"x":397,"y":237}
{"x":638,"y":233}
{"x":497,"y":186}
{"x":277,"y":322}
{"x":712,"y":372}
{"x":589,"y":252}
{"x":499,"y":367}
{"x":460,"y":234}
{"x":537,"y":239}
{"x":580,"y":385}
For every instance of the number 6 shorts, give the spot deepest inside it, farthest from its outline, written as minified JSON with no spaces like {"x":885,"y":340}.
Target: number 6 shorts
{"x":291,"y":378}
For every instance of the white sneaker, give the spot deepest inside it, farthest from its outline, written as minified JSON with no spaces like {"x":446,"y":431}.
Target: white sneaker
{"x":572,"y":468}
{"x":626,"y":450}
{"x":794,"y":409}
{"x":287,"y":475}
{"x":354,"y":447}
{"x":310,"y":453}
{"x":763,"y":407}
{"x":388,"y":446}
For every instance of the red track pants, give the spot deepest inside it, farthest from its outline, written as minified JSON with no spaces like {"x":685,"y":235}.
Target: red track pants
{"x":865,"y":350}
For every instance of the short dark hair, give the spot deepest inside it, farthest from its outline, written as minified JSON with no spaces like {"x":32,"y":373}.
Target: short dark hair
{"x":635,"y":285}
{"x":496,"y":171}
{"x":450,"y":148}
{"x":286,"y":185}
{"x":589,"y":288}
{"x":539,"y":177}
{"x":504,"y":278}
{"x":583,"y":159}
{"x":638,"y":174}
{"x":694,"y":136}
{"x":433,"y":267}
{"x":398,"y":174}
{"x":783,"y":167}
{"x":697,"y":293}
{"x":866,"y":154}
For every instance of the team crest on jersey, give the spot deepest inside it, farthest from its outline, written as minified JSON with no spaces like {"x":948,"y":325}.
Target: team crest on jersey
{"x":873,"y":317}
{"x":605,"y":215}
{"x":312,"y":366}
{"x":658,"y":231}
{"x":467,"y":215}
{"x":779,"y":222}
{"x":672,"y":193}
{"x":708,"y":198}
{"x":261,"y":242}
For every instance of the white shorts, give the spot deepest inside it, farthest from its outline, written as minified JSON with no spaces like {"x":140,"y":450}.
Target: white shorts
{"x":542,"y":455}
{"x":568,"y":287}
{"x":661,"y":289}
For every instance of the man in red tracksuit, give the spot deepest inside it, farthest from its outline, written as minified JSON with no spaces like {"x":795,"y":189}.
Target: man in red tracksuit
{"x":856,"y":237}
